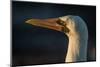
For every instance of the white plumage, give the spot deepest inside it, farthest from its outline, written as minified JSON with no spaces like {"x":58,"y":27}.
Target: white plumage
{"x":78,"y":38}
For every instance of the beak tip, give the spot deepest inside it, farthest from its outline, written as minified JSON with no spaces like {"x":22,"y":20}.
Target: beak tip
{"x":31,"y":21}
{"x":27,"y":21}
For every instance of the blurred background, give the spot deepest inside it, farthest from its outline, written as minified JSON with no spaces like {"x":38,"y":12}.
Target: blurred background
{"x":35,"y":45}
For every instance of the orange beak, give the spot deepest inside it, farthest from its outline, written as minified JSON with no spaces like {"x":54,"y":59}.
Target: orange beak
{"x":46,"y":23}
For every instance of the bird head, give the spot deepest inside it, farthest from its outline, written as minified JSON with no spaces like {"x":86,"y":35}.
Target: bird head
{"x":67,"y":24}
{"x":74,"y":25}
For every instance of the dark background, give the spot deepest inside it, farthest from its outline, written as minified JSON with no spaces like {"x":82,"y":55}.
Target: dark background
{"x":35,"y":45}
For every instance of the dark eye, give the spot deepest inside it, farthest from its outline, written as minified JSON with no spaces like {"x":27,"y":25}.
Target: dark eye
{"x":60,"y":22}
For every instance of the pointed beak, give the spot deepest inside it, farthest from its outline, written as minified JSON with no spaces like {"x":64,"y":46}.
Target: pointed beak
{"x":46,"y":23}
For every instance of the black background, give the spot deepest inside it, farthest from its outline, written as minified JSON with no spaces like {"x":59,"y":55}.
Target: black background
{"x":36,"y":45}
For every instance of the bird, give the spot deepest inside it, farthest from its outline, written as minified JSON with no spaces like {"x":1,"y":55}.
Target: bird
{"x":75,"y":28}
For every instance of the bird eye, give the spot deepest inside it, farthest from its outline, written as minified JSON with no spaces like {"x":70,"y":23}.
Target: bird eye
{"x":60,"y":22}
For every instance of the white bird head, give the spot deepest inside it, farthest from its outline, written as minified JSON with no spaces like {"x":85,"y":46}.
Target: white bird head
{"x":67,"y":24}
{"x":74,"y":25}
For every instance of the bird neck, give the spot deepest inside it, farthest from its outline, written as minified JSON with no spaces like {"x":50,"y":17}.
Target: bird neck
{"x":76,"y":48}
